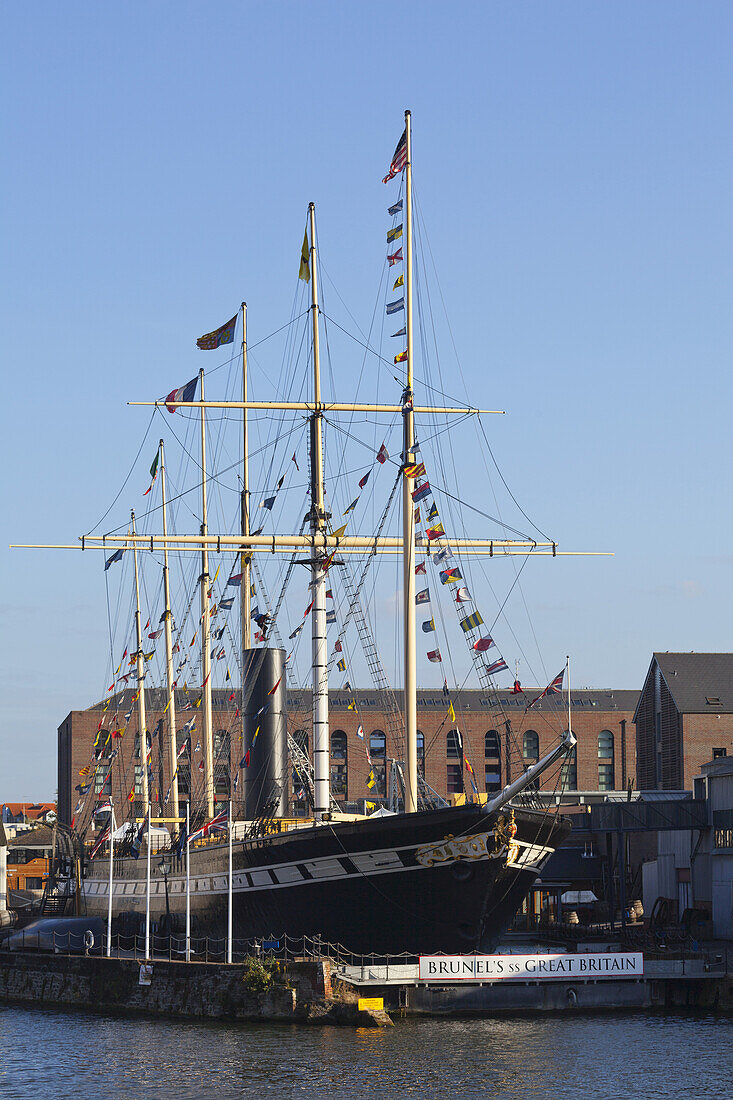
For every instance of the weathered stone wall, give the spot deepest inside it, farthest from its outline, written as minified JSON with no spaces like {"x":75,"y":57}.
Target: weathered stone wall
{"x":112,"y":985}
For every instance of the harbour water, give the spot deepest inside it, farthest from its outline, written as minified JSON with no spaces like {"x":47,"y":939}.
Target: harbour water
{"x":48,"y":1053}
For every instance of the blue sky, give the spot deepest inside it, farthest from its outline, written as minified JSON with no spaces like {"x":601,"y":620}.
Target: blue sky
{"x":573,"y":168}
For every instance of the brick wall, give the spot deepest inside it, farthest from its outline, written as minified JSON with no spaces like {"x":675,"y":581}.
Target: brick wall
{"x":593,"y":712}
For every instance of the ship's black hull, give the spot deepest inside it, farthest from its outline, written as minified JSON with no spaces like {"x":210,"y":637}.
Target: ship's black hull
{"x":422,"y":883}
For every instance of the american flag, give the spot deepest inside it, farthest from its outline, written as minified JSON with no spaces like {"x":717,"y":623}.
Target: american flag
{"x":102,"y":839}
{"x":399,"y":160}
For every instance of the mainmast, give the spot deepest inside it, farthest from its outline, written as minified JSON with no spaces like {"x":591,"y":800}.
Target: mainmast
{"x":172,"y":747}
{"x":245,"y":606}
{"x":206,"y":627}
{"x":408,"y":516}
{"x":141,"y":722}
{"x":317,"y":516}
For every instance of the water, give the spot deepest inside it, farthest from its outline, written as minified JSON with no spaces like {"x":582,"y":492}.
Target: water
{"x":45,"y":1053}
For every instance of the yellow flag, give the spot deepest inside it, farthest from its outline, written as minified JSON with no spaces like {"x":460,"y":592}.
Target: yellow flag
{"x":305,"y":271}
{"x":371,"y":781}
{"x":369,"y":806}
{"x":339,"y":532}
{"x":451,"y":712}
{"x":399,"y":282}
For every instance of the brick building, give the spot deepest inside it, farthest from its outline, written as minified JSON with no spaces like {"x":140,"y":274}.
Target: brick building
{"x":604,"y":759}
{"x":684,"y":717}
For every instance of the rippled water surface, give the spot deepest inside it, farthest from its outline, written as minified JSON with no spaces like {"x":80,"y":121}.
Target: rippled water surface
{"x":59,"y":1055}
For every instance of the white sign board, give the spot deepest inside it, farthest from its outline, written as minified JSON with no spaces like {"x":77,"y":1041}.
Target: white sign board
{"x":521,"y":968}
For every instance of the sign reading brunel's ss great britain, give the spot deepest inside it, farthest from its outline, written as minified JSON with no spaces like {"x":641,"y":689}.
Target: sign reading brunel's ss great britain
{"x":488,"y":968}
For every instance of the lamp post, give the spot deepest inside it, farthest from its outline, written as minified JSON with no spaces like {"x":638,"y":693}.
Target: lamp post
{"x":165,"y":867}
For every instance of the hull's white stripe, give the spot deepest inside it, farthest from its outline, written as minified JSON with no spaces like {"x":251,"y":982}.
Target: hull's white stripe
{"x":326,"y":869}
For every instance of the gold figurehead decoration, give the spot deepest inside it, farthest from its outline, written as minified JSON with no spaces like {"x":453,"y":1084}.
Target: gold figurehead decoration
{"x":504,"y":833}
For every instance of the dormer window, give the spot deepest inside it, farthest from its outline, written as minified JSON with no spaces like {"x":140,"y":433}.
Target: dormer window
{"x":712,"y":700}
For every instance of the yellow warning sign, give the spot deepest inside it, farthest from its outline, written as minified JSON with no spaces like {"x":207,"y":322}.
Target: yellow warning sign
{"x":371,"y":1004}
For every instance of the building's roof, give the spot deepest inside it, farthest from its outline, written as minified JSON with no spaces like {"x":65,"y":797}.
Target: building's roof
{"x":699,"y":683}
{"x":32,"y":811}
{"x":41,"y":837}
{"x":602,"y":699}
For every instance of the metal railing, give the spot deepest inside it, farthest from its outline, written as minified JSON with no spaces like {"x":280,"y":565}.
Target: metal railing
{"x":716,"y":959}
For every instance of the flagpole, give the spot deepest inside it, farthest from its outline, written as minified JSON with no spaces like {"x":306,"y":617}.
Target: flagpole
{"x":141,"y":721}
{"x":188,"y":881}
{"x":172,"y":748}
{"x":567,"y":666}
{"x":111,"y":859}
{"x":147,"y":891}
{"x":206,"y":629}
{"x":321,"y":754}
{"x":408,"y":517}
{"x":229,"y":900}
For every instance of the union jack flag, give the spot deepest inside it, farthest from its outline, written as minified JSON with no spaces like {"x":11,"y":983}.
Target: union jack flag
{"x":553,"y":688}
{"x":218,"y":824}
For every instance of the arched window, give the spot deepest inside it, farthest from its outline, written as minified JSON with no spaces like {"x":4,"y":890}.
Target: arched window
{"x":453,"y":745}
{"x":299,"y":786}
{"x":378,"y":753}
{"x":605,"y":745}
{"x":222,"y":741}
{"x":339,"y":765}
{"x":531,"y":745}
{"x":454,"y":772}
{"x":420,"y":738}
{"x":377,"y":744}
{"x":492,"y":754}
{"x":569,"y":771}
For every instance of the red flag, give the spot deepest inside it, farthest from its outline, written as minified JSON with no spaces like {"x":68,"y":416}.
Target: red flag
{"x":382,"y":454}
{"x":483,"y":644}
{"x":273,"y":690}
{"x":363,"y":480}
{"x":517,"y":689}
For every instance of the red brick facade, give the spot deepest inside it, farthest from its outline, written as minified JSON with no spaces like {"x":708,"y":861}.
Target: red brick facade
{"x":684,"y":717}
{"x":602,"y":722}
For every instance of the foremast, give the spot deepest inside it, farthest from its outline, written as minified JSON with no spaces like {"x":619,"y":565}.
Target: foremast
{"x":168,"y":617}
{"x":204,"y":580}
{"x":141,"y":719}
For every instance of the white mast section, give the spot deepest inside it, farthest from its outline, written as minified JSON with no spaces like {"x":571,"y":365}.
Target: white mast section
{"x":321,"y":753}
{"x":141,"y":722}
{"x":245,"y":604}
{"x":408,"y":516}
{"x":172,"y":748}
{"x":206,"y":630}
{"x":111,"y":866}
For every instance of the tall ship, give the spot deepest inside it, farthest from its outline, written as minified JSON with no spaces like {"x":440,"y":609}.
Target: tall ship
{"x":242,"y":801}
